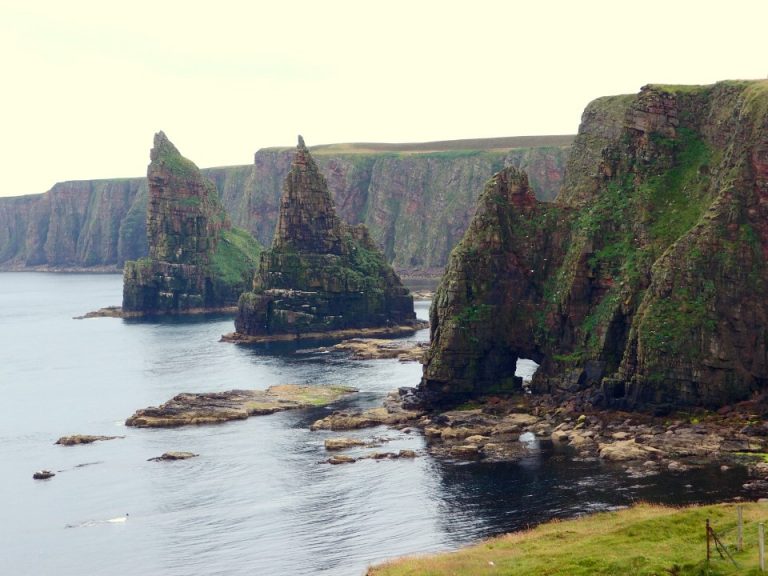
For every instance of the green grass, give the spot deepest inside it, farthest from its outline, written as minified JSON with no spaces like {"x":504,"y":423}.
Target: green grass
{"x":678,"y":198}
{"x":236,"y":257}
{"x":644,"y":540}
{"x":472,"y":144}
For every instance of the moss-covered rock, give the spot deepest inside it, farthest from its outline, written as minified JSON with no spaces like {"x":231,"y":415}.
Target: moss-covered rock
{"x":320,"y":275}
{"x":197,"y":261}
{"x":643,"y":284}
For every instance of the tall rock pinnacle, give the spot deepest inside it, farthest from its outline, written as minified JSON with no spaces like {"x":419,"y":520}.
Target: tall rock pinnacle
{"x":185,"y":214}
{"x":197,"y":261}
{"x":307,"y":220}
{"x":321,"y":275}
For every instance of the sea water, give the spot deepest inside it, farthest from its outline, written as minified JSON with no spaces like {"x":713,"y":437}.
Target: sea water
{"x":259,"y":498}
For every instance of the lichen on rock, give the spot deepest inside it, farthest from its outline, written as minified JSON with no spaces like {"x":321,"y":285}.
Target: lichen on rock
{"x":643,"y":284}
{"x":197,"y":261}
{"x":320,"y":275}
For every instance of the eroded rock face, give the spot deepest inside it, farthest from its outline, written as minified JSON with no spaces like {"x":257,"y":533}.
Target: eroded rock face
{"x":643,"y":284}
{"x":320,"y":275}
{"x":196,"y":259}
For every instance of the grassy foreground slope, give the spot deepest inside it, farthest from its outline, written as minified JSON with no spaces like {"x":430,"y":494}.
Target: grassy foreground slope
{"x":643,"y":540}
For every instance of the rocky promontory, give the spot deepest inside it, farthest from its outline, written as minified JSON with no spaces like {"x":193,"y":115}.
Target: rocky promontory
{"x":197,"y":261}
{"x":320,"y":275}
{"x":643,"y":285}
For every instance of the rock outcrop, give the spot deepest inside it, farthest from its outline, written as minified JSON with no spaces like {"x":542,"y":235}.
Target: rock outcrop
{"x":643,"y":284}
{"x":77,"y":439}
{"x":218,"y":407}
{"x":197,"y":261}
{"x":416,"y":200}
{"x":320,"y":275}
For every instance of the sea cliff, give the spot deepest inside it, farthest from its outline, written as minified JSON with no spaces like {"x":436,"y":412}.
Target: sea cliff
{"x":416,"y":200}
{"x":643,"y":284}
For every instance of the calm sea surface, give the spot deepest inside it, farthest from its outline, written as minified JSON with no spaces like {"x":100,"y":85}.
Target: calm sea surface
{"x":258,"y":499}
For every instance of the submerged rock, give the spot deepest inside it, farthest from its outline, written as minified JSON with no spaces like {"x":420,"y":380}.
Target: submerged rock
{"x":320,"y":274}
{"x":218,"y":407}
{"x":342,"y":443}
{"x":643,"y":284}
{"x":340,"y":459}
{"x":173,"y":456}
{"x":83,"y":439}
{"x":197,"y":261}
{"x":43,"y":475}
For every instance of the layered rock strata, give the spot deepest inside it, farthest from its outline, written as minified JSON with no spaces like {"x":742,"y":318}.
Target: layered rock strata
{"x":320,"y":275}
{"x":416,"y":200}
{"x":643,"y":284}
{"x":197,"y":261}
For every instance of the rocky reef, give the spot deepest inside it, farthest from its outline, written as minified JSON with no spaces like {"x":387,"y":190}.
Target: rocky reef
{"x":197,"y":261}
{"x":320,"y":274}
{"x":415,"y":199}
{"x":218,"y":407}
{"x":643,"y":284}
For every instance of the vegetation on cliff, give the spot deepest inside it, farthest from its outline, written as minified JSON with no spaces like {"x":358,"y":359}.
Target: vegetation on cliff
{"x":196,"y":259}
{"x":643,"y":283}
{"x":320,"y":274}
{"x":642,"y":540}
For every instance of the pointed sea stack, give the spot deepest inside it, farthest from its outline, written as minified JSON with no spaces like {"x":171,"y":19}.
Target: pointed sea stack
{"x":321,"y":275}
{"x":197,"y":262}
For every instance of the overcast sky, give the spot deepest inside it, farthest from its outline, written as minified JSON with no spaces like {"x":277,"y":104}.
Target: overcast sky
{"x":85,"y":85}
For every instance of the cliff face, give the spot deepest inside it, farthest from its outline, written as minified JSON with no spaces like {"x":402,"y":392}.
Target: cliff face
{"x":320,"y":274}
{"x":416,"y":204}
{"x":643,"y":284}
{"x":75,"y":224}
{"x":196,"y":260}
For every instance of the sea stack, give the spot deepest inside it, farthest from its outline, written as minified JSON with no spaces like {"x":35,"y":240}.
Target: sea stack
{"x":643,"y":285}
{"x":321,"y":275}
{"x":197,"y":261}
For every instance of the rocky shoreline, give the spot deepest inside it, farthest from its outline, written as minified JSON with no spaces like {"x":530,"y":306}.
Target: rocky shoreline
{"x":505,"y":429}
{"x":378,"y":332}
{"x":382,"y":349}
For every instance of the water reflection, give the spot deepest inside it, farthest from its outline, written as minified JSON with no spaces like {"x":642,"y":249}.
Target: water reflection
{"x":478,"y":500}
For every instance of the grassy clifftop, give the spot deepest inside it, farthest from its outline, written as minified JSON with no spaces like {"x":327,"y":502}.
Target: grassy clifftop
{"x":463,"y":145}
{"x":644,"y":540}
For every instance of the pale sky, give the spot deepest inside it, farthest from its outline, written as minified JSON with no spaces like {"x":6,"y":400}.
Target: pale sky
{"x":85,"y":85}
